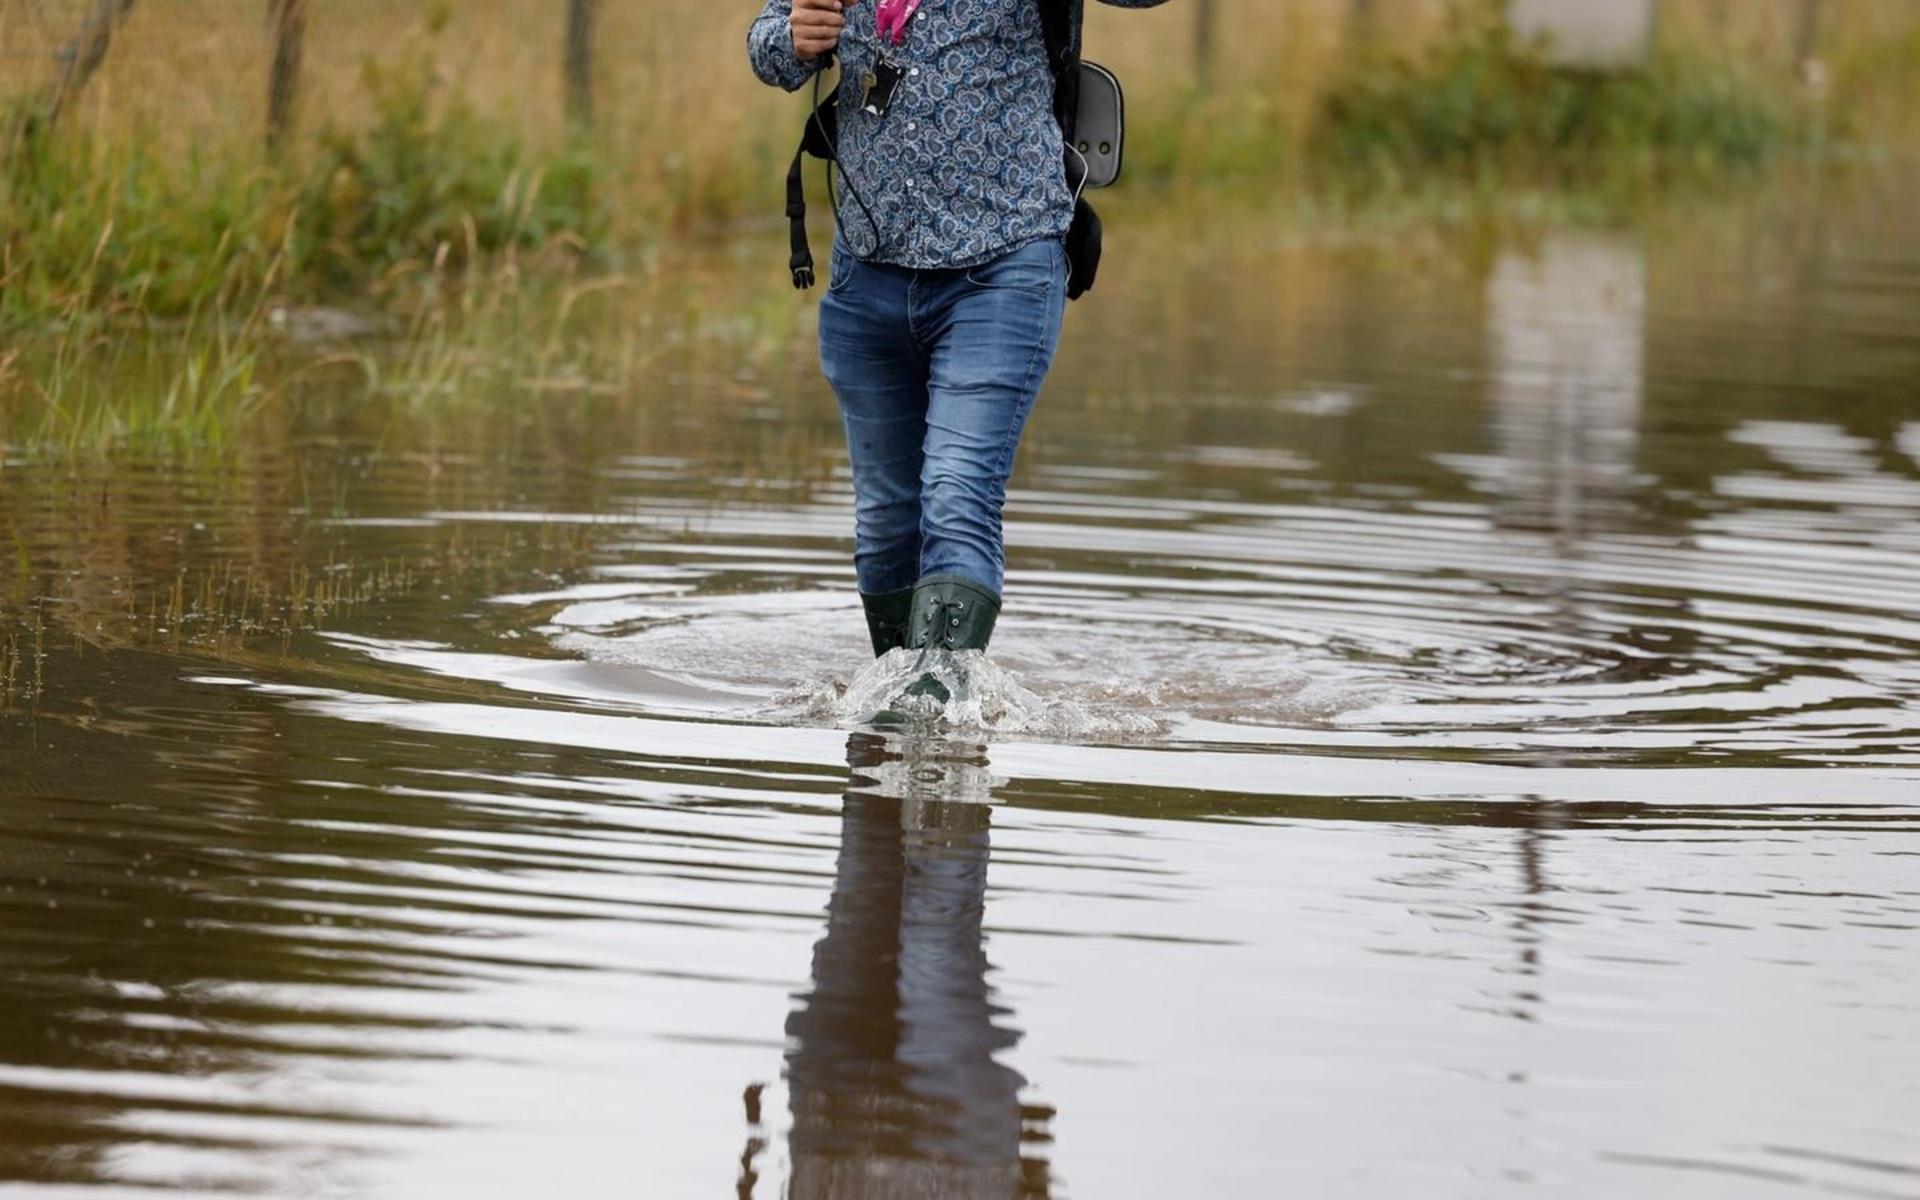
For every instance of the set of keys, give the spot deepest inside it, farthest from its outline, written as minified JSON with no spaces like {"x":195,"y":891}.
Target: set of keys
{"x":877,"y":86}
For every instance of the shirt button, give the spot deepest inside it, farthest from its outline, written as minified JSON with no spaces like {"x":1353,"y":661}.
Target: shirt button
{"x":914,"y":71}
{"x":912,"y":125}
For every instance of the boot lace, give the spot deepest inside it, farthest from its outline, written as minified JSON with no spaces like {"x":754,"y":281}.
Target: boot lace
{"x":943,"y":621}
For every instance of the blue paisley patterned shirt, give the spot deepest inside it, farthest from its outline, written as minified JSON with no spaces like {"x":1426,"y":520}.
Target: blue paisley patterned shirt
{"x":967,"y":163}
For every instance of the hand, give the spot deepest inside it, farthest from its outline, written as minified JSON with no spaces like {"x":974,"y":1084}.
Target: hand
{"x":816,"y":26}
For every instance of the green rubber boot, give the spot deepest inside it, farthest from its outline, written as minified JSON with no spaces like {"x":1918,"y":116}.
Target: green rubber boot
{"x":949,"y":613}
{"x":887,"y":619}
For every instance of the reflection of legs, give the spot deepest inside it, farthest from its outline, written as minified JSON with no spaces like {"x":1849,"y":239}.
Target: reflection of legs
{"x":844,"y":1035}
{"x":891,"y":1069}
{"x":879,"y":374}
{"x":947,"y":1036}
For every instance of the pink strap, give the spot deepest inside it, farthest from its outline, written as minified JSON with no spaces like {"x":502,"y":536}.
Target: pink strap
{"x":892,"y":17}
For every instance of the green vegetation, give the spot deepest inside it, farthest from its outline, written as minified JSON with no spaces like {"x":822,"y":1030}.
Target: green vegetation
{"x":192,"y":389}
{"x":1480,"y":105}
{"x":417,"y":179}
{"x":123,"y":228}
{"x":421,"y":184}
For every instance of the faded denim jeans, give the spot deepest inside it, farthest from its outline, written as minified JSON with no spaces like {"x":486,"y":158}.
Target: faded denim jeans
{"x":936,"y":372}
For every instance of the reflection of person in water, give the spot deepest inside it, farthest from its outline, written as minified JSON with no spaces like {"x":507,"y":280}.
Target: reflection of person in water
{"x":891,"y":1067}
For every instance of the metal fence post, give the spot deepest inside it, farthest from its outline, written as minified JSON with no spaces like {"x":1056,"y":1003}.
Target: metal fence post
{"x":289,"y":19}
{"x":1205,"y":22}
{"x":1362,"y":18}
{"x":1806,"y":38}
{"x":82,"y":56}
{"x":581,"y":18}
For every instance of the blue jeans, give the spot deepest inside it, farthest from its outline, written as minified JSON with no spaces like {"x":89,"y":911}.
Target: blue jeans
{"x":936,"y":372}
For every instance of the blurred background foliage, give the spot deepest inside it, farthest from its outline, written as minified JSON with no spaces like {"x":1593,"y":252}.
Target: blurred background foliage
{"x":424,"y":137}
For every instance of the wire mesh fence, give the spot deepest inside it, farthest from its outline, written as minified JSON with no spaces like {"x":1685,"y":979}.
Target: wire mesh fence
{"x":208,"y":67}
{"x":192,"y":70}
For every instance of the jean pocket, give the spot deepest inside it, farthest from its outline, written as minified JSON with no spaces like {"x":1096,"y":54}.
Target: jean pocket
{"x":1035,"y":267}
{"x":844,"y":267}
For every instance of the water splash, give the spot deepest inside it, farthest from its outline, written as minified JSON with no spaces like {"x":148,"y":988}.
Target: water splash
{"x":984,"y":696}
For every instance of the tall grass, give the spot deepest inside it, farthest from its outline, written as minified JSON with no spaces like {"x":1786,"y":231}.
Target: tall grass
{"x":106,"y":219}
{"x":423,"y":181}
{"x":90,"y":390}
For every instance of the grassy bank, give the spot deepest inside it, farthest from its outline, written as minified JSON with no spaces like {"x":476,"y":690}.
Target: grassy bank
{"x":432,"y":139}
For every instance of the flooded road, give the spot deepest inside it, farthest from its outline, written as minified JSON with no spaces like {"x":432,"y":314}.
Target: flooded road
{"x":1455,"y":732}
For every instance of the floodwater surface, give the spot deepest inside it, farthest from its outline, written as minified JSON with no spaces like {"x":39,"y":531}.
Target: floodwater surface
{"x":1455,"y":732}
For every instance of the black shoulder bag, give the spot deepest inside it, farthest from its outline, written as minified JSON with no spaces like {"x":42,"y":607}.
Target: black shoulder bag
{"x":1090,"y":107}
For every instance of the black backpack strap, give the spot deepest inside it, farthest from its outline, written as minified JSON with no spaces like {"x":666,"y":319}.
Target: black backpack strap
{"x":1063,"y":22}
{"x":801,"y":262}
{"x":822,"y":133}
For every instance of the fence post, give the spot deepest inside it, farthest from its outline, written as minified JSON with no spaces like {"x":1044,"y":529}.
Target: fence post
{"x":1806,"y":39}
{"x":581,"y":17}
{"x":1205,"y":21}
{"x":82,"y":56}
{"x":283,"y":84}
{"x":1361,"y":21}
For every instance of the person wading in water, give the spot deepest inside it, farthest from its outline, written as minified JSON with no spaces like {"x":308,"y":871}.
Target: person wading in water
{"x":948,"y":284}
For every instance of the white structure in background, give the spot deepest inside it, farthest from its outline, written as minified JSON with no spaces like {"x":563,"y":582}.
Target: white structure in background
{"x":1566,"y":330}
{"x":1595,"y":34}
